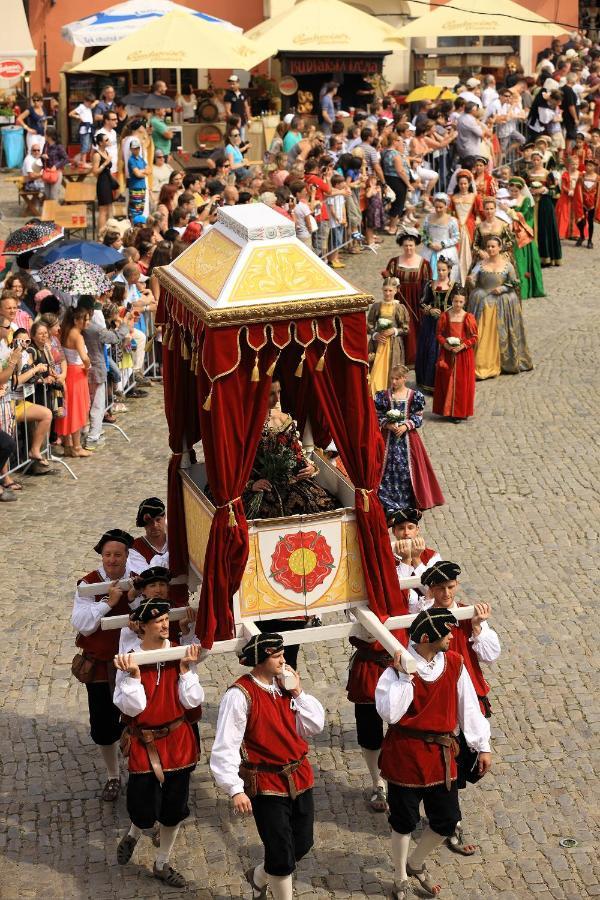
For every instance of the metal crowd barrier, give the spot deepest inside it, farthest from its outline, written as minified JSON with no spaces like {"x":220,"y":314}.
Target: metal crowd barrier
{"x":19,"y":431}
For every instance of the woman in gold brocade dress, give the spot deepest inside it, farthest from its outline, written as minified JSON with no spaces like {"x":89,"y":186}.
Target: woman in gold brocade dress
{"x":386,"y":345}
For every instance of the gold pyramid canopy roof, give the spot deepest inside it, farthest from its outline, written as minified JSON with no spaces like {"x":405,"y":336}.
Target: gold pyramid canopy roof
{"x":251,"y":267}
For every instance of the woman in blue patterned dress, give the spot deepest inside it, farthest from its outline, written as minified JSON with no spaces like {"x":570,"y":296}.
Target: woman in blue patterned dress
{"x":408,"y":477}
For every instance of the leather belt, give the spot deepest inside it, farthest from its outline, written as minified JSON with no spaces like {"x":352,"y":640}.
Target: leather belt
{"x":148,"y":735}
{"x":249,"y":772}
{"x":446,"y":740}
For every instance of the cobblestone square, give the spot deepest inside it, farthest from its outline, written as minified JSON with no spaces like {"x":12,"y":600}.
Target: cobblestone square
{"x":522,"y":519}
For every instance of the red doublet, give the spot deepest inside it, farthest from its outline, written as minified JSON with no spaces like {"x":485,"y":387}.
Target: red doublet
{"x":179,"y":749}
{"x":102,"y":645}
{"x":271,"y":738}
{"x":462,"y":644}
{"x":141,"y":546}
{"x":427,"y":555}
{"x":409,"y":761}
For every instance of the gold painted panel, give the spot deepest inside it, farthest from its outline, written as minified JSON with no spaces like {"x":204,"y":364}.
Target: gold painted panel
{"x":258,"y":594}
{"x":209,"y":262}
{"x":197,"y":523}
{"x":278,"y":272}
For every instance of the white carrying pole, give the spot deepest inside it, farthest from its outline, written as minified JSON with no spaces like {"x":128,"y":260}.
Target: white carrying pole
{"x":96,"y":590}
{"x":371,"y":623}
{"x":367,"y":622}
{"x":460,"y":613}
{"x":111,"y":623}
{"x":147,"y":657}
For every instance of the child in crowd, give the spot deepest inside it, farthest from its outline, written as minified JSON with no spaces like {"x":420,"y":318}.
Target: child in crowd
{"x":336,"y":208}
{"x":84,"y":114}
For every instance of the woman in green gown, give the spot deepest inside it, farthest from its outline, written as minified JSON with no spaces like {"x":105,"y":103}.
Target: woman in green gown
{"x":527,"y":258}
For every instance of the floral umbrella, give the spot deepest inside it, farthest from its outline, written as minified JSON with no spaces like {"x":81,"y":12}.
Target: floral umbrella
{"x":74,"y":276}
{"x":32,"y":236}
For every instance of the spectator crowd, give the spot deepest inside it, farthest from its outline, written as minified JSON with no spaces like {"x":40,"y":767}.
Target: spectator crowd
{"x":480,"y":189}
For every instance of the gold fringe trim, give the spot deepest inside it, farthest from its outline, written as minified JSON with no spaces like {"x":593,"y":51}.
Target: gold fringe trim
{"x":365,"y":498}
{"x":185,"y":350}
{"x":208,"y":402}
{"x":271,"y":368}
{"x":300,"y":369}
{"x":255,"y":370}
{"x":321,"y":363}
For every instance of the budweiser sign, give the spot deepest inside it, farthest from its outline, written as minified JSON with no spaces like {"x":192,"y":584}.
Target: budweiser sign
{"x":11,"y":68}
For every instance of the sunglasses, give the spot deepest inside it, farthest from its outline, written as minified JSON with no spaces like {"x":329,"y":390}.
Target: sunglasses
{"x":235,"y":134}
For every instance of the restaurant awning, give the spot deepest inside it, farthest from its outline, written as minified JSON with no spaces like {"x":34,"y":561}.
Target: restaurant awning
{"x":315,"y":26}
{"x":17,"y":54}
{"x":493,"y":17}
{"x":117,"y":22}
{"x":177,"y":41}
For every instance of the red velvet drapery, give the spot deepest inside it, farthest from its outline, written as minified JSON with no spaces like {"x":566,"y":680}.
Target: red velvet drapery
{"x":231,"y":431}
{"x":181,"y":410}
{"x":342,"y":391}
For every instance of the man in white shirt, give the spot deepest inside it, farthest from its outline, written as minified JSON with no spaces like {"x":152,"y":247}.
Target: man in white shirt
{"x":109,"y":125}
{"x":489,"y":92}
{"x":473,"y":92}
{"x":273,"y":779}
{"x":423,"y":711}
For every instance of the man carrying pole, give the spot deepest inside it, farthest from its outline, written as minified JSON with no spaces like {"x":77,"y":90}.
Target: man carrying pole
{"x":94,"y":665}
{"x":162,"y":750}
{"x":260,"y":758}
{"x":477,"y":643}
{"x":418,"y":754}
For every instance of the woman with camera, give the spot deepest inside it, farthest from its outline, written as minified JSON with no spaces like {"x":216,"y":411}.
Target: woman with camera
{"x":31,"y":413}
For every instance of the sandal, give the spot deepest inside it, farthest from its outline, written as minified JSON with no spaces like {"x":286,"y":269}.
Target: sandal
{"x":38,"y":459}
{"x":125,"y":849}
{"x":12,"y":485}
{"x":422,"y":876}
{"x":456,"y":843}
{"x":378,"y":800}
{"x":108,"y":417}
{"x":402,"y":891}
{"x":168,"y":874}
{"x":111,"y":790}
{"x":257,"y":893}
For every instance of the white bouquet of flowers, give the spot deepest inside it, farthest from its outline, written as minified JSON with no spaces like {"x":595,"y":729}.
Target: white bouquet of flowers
{"x":394,"y":417}
{"x":384,"y":324}
{"x":453,"y":341}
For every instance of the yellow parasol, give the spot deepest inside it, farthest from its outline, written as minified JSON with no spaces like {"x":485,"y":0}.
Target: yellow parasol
{"x":317,"y":26}
{"x":177,"y":41}
{"x":493,"y":18}
{"x":429,"y":92}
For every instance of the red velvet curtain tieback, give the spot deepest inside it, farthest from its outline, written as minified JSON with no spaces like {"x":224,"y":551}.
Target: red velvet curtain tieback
{"x":365,"y":497}
{"x":232,"y":518}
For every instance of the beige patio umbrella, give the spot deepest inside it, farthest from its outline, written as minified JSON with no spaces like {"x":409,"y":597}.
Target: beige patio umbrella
{"x":324,"y":26}
{"x":177,"y":41}
{"x":492,"y":18}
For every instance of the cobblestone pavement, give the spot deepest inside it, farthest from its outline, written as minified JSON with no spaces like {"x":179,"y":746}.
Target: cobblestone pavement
{"x":521,"y":517}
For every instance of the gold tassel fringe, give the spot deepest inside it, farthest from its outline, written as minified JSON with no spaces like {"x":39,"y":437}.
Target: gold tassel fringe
{"x":232,"y":518}
{"x":300,"y":369}
{"x":255,"y":370}
{"x":208,"y":402}
{"x":185,"y":350}
{"x":365,"y":496}
{"x":321,"y":364}
{"x":271,"y":368}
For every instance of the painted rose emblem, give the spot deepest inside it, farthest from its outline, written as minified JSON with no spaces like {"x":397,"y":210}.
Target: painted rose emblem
{"x":301,"y":561}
